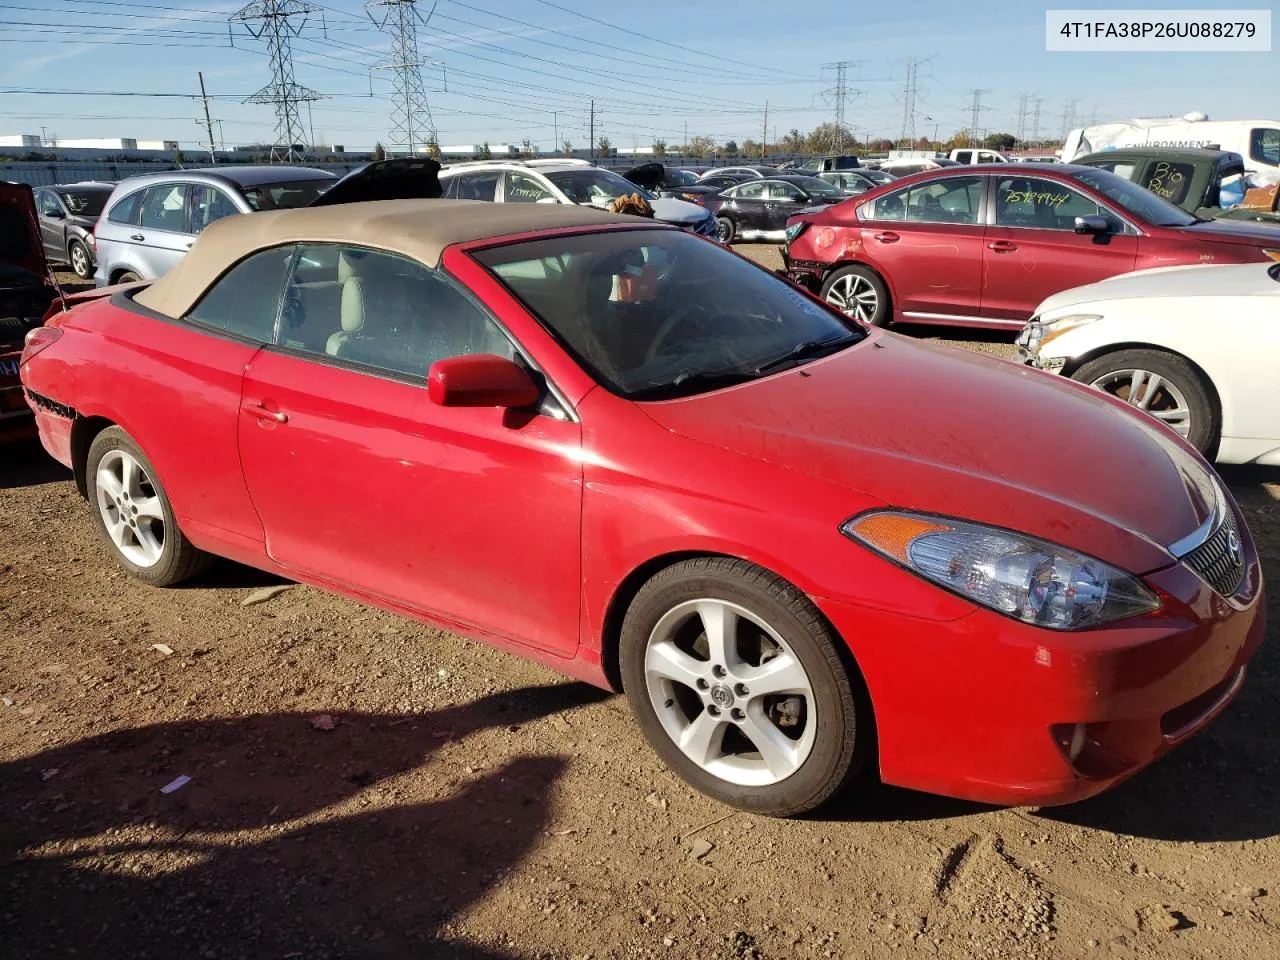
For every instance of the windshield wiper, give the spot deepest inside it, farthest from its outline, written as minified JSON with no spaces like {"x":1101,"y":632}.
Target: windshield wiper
{"x":806,"y":349}
{"x":690,"y":382}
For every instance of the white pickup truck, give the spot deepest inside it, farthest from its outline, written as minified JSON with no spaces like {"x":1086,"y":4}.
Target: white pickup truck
{"x":978,"y":155}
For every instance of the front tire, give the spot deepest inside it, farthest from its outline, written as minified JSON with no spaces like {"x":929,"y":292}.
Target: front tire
{"x":133,"y":514}
{"x":739,"y":684}
{"x":726,"y":230}
{"x":81,"y":262}
{"x":1163,"y":385}
{"x":860,"y":293}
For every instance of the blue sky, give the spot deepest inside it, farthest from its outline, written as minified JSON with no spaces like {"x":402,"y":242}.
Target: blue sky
{"x":528,"y":68}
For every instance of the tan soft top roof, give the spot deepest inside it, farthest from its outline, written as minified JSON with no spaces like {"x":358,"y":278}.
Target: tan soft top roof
{"x":419,"y":229}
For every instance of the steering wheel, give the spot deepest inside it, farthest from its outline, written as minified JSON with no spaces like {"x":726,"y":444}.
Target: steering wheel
{"x":690,"y":313}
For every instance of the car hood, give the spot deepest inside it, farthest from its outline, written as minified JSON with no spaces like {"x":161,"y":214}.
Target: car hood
{"x":1200,"y":280}
{"x":647,"y":175}
{"x":21,"y":246}
{"x":682,"y":212}
{"x":1235,"y":231}
{"x":929,"y":428}
{"x":400,"y":178}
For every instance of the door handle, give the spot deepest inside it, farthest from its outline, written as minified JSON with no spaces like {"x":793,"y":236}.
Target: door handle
{"x":260,"y":412}
{"x":1002,"y":246}
{"x":136,"y":236}
{"x":888,"y":237}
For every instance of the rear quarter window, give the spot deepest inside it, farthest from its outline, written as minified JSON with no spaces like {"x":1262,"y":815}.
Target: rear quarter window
{"x":1169,"y":180}
{"x":125,"y":210}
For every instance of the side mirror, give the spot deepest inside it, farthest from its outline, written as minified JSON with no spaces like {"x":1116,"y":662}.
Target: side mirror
{"x":480,"y":380}
{"x":1092,"y":224}
{"x":55,"y":214}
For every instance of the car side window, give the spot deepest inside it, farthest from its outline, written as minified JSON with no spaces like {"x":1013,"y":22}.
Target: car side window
{"x":783,"y":191}
{"x":1045,"y":205}
{"x":749,"y":191}
{"x":245,"y":300}
{"x":892,"y":206}
{"x":1121,"y":168}
{"x":49,"y":205}
{"x":382,"y":311}
{"x":951,"y":200}
{"x":482,"y":185}
{"x":164,"y":207}
{"x":207,"y":205}
{"x":126,"y":210}
{"x":1168,"y":180}
{"x":963,"y":156}
{"x":524,"y":189}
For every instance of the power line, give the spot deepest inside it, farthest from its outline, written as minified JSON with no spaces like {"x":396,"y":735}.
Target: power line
{"x":411,"y":122}
{"x":278,"y":29}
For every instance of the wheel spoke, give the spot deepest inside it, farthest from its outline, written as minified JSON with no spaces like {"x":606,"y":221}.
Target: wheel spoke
{"x":776,"y":750}
{"x":782,"y":674}
{"x":129,"y":475}
{"x":703,"y":739}
{"x":148,"y":542}
{"x":109,"y":483}
{"x":1149,"y":394}
{"x":149,"y":507}
{"x":1135,"y":386}
{"x":721,"y":627}
{"x":670,"y":662}
{"x":117,"y":530}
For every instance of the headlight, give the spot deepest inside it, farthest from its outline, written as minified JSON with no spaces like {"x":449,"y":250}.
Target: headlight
{"x":1030,"y":580}
{"x":1050,"y":330}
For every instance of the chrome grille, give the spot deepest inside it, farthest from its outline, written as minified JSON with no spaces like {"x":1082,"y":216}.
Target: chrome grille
{"x":1219,"y":561}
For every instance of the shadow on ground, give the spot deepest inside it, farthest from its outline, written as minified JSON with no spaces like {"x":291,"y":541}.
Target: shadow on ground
{"x":24,"y":463}
{"x":180,"y":879}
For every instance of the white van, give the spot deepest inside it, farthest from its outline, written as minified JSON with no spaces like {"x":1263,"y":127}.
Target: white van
{"x":975,"y":155}
{"x":1258,"y":141}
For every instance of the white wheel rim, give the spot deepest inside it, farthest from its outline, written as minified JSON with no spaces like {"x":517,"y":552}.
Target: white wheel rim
{"x":854,"y":296}
{"x":730,"y":692}
{"x":1150,"y":393}
{"x":130,"y":509}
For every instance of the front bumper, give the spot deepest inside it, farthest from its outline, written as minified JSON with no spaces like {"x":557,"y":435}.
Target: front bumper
{"x":1030,"y":354}
{"x":992,"y":710}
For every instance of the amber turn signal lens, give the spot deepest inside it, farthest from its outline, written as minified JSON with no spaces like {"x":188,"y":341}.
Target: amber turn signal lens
{"x":892,"y":533}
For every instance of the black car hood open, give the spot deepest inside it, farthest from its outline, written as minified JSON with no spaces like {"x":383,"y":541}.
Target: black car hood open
{"x":21,"y":246}
{"x":400,"y":178}
{"x":647,"y":175}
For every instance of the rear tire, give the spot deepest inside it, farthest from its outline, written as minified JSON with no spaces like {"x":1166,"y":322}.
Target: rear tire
{"x":726,"y":230}
{"x":1181,"y":400}
{"x":81,"y":262}
{"x":860,"y":293}
{"x":127,"y":276}
{"x":133,"y":514}
{"x":777,"y":676}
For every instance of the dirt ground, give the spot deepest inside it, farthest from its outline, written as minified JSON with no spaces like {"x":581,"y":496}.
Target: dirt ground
{"x":363,"y":786}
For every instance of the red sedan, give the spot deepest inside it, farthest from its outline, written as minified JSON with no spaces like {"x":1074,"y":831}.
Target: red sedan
{"x":982,"y":246}
{"x":634,"y":456}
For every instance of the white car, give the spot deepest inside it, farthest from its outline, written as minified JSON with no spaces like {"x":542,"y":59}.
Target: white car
{"x":563,"y":181}
{"x":1196,"y":347}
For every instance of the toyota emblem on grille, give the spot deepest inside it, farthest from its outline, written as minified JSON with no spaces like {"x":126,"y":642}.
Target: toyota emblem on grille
{"x":1233,"y":545}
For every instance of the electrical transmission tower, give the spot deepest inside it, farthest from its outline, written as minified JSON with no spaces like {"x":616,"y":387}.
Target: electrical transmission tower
{"x":909,"y":90}
{"x":411,"y":123}
{"x":1068,"y":117}
{"x":1035,"y":120}
{"x":975,"y":113}
{"x":1023,"y":100}
{"x":274,"y":22}
{"x":839,"y":96}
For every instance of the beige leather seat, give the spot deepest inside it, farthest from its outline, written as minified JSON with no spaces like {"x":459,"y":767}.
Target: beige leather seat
{"x":351,"y":314}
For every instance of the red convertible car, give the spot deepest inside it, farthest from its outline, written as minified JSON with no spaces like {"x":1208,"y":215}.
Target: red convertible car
{"x":632,"y":455}
{"x":982,"y":246}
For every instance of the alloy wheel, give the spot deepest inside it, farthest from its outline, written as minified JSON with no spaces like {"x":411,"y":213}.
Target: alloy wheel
{"x":854,"y":296}
{"x":131,"y":509}
{"x":1152,"y":394}
{"x":80,"y":260}
{"x":730,"y":692}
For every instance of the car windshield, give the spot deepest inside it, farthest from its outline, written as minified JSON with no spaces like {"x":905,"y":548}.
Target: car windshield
{"x":286,"y":195}
{"x":656,"y":314}
{"x":595,"y":187}
{"x":1139,"y":201}
{"x":818,"y":188}
{"x":85,"y":203}
{"x":680,"y":178}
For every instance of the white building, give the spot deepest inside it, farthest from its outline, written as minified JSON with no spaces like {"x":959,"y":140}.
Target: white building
{"x":28,"y":140}
{"x":148,"y":144}
{"x":98,"y":143}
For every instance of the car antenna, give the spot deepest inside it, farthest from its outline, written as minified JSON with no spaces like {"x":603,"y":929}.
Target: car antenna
{"x":62,"y":297}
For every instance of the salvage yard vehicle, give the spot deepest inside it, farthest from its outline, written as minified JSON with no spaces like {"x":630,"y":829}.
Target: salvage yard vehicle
{"x":151,"y":221}
{"x":759,"y":209}
{"x":1141,"y":338}
{"x":639,"y":458}
{"x":26,"y":291}
{"x":1258,"y":141}
{"x":750,"y":172}
{"x":981,"y":246}
{"x":562,"y":181}
{"x":68,"y":213}
{"x":669,"y":182}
